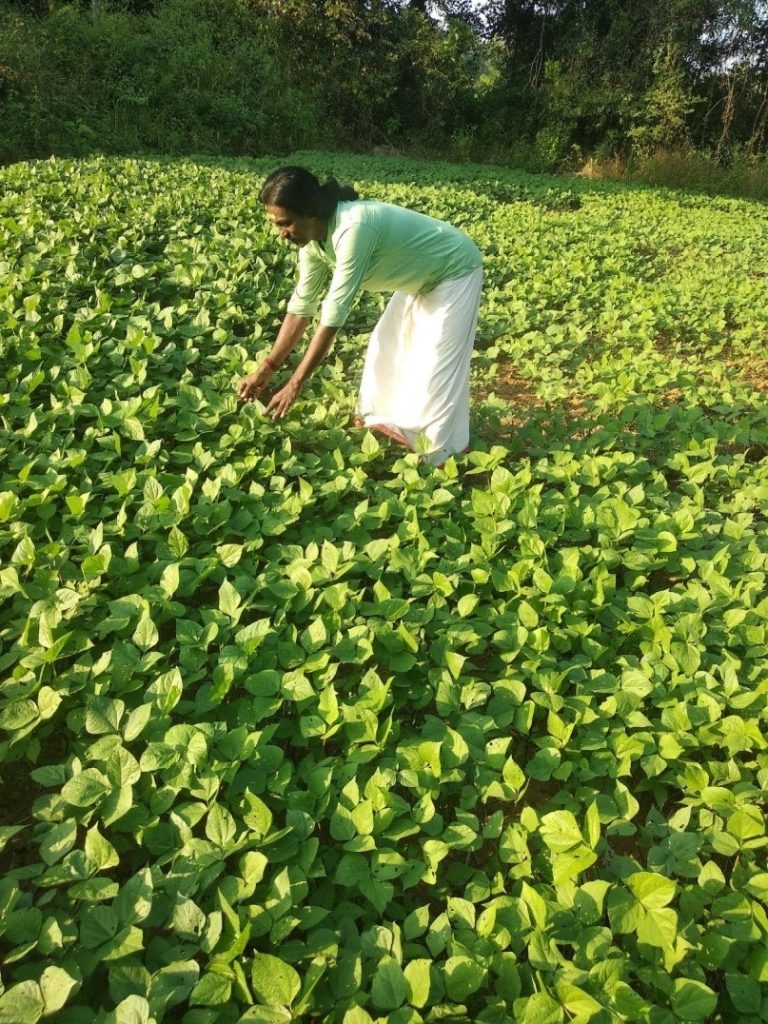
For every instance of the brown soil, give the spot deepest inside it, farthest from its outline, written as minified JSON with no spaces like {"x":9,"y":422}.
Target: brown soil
{"x":522,"y":398}
{"x":753,"y":370}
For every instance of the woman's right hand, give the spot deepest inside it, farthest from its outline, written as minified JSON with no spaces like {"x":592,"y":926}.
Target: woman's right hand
{"x":252,"y":386}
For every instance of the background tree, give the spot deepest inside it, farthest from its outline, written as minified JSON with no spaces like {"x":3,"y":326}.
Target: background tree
{"x":545,"y":82}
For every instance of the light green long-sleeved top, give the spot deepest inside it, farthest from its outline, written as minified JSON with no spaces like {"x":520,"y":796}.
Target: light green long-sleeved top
{"x":378,"y":247}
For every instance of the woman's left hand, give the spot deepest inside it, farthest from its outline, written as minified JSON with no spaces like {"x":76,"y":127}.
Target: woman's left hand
{"x":283,"y":399}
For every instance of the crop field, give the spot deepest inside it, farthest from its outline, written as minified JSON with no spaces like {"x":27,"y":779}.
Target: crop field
{"x":294,"y":727}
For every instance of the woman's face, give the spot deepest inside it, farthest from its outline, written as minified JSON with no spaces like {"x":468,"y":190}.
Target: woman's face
{"x":295,"y":229}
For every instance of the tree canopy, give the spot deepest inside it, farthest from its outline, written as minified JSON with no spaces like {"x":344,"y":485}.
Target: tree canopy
{"x":563,"y":79}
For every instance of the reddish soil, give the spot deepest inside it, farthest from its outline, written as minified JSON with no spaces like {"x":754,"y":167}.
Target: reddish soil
{"x":521,"y":396}
{"x":754,"y":371}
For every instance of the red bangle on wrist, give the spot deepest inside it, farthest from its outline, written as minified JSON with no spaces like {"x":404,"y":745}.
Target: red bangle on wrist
{"x":270,"y":363}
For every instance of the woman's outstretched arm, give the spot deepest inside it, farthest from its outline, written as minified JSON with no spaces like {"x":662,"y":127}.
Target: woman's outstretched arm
{"x":317,"y":349}
{"x":290,"y":334}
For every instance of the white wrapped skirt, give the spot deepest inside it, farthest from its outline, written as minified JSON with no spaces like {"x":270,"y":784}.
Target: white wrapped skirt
{"x":416,"y":375}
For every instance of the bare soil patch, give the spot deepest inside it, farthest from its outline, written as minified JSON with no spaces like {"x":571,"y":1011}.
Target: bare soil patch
{"x":753,"y":370}
{"x":522,"y":399}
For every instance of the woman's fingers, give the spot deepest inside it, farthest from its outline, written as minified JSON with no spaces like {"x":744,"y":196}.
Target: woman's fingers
{"x":279,"y":406}
{"x":252,"y":386}
{"x":282,"y":402}
{"x":272,"y":405}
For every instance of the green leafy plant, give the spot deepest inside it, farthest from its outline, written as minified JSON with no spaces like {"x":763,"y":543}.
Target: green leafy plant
{"x":293,"y":727}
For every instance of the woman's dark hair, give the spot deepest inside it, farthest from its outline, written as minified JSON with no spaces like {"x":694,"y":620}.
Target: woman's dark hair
{"x":298,"y":190}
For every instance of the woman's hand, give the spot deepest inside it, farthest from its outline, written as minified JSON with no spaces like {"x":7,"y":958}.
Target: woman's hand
{"x":252,"y":386}
{"x":283,"y":399}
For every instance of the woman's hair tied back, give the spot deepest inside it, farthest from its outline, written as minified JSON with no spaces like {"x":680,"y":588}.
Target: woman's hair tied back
{"x":298,"y":190}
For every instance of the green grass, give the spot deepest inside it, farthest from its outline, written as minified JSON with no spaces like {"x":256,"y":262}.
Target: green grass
{"x":296,"y":728}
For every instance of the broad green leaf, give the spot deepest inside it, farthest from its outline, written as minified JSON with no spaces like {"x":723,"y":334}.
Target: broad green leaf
{"x":314,"y":636}
{"x":417,"y":975}
{"x":122,"y":768}
{"x":653,"y":891}
{"x":145,"y":635}
{"x":266,"y":1015}
{"x":220,"y":826}
{"x":229,"y":600}
{"x":22,"y":1004}
{"x":560,"y":831}
{"x":169,"y":579}
{"x":188,"y":920}
{"x":230,"y":554}
{"x":58,"y":841}
{"x":539,"y":1008}
{"x":746,"y":823}
{"x":98,"y":850}
{"x":461,"y":912}
{"x":18,"y":715}
{"x":56,"y":986}
{"x":136,"y":722}
{"x":357,"y":1015}
{"x":252,"y":866}
{"x":94,"y":890}
{"x":578,"y":1003}
{"x":103,"y":715}
{"x":758,"y":885}
{"x":134,"y":902}
{"x":711,"y":878}
{"x":7,"y":503}
{"x":251,"y":636}
{"x":463,"y":977}
{"x":129,"y":940}
{"x":133,"y":1009}
{"x":98,"y":926}
{"x":658,"y":928}
{"x":211,"y":990}
{"x":536,"y":904}
{"x":256,"y":815}
{"x":177,"y":543}
{"x":592,"y":821}
{"x":48,"y":702}
{"x":417,"y":922}
{"x":274,"y":982}
{"x":389,"y":988}
{"x":167,"y":690}
{"x":362,"y":818}
{"x":86,"y":788}
{"x":528,"y":615}
{"x":370,"y":445}
{"x":24,"y":553}
{"x":746,"y":993}
{"x":172,"y":984}
{"x":692,"y":1000}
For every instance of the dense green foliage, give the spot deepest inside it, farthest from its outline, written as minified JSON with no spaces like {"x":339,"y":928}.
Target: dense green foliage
{"x":296,"y":728}
{"x":536,"y":85}
{"x":209,"y":77}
